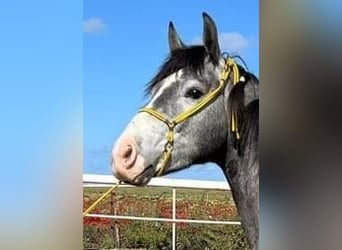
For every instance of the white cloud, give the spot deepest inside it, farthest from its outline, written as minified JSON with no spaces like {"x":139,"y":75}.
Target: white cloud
{"x":231,"y":42}
{"x":94,"y":25}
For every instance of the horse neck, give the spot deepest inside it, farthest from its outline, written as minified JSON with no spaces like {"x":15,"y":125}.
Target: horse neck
{"x":246,"y":153}
{"x":242,"y":173}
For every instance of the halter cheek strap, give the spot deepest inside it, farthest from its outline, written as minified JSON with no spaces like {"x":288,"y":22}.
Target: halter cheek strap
{"x":230,"y":66}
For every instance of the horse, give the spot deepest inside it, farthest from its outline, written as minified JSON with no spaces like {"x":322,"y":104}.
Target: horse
{"x":204,"y":107}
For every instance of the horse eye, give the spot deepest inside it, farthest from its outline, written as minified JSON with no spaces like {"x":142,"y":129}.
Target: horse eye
{"x":194,"y":93}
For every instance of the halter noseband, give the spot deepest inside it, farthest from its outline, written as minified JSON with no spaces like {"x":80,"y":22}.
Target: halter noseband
{"x":230,"y":66}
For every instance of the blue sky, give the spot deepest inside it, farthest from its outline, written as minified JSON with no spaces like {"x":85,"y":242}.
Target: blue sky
{"x":124,"y":44}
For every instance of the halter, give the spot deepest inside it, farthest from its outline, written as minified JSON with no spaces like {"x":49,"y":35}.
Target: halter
{"x":230,"y":66}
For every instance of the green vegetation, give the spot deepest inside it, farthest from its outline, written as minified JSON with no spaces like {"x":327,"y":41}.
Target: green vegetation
{"x":100,"y":233}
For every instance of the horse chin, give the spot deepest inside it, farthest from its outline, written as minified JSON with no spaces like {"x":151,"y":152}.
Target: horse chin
{"x":144,"y":177}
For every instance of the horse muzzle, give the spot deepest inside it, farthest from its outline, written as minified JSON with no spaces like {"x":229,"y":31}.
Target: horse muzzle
{"x":128,"y":164}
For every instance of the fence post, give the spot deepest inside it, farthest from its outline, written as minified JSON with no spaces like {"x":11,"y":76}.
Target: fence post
{"x":174,"y":217}
{"x":115,"y":223}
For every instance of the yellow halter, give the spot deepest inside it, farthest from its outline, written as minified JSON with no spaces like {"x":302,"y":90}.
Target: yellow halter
{"x":230,"y":66}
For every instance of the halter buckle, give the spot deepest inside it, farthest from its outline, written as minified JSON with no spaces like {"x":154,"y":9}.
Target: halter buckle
{"x":169,"y":146}
{"x":171,"y":124}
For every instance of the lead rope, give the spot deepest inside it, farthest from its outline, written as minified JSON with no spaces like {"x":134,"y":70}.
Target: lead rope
{"x":92,"y":206}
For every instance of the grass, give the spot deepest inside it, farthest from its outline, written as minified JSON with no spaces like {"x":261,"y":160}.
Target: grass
{"x":157,"y":202}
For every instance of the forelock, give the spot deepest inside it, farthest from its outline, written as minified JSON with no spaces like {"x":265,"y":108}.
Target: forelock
{"x":191,"y":59}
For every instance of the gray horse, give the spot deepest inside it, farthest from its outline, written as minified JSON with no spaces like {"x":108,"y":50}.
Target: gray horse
{"x":152,"y":144}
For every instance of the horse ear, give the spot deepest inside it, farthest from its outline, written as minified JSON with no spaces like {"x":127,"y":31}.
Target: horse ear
{"x":210,"y":38}
{"x":175,"y":42}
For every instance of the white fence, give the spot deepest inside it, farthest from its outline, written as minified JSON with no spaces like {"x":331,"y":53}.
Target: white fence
{"x":92,"y":180}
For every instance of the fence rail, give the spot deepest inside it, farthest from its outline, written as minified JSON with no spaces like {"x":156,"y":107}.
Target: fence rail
{"x":109,"y":180}
{"x":92,"y":180}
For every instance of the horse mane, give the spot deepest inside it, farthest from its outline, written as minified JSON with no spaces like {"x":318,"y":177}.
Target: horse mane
{"x":191,"y":59}
{"x":247,"y":114}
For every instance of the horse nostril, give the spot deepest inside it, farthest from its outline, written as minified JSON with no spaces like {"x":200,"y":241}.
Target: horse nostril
{"x":128,"y":151}
{"x":125,"y":154}
{"x":128,"y":154}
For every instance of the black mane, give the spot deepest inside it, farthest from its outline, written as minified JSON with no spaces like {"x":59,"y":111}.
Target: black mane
{"x":191,"y":59}
{"x":247,"y":116}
